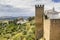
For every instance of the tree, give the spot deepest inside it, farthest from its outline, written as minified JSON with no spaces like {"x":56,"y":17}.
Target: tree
{"x":30,"y":18}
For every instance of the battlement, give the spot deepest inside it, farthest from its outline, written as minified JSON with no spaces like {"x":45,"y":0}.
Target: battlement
{"x":38,"y":6}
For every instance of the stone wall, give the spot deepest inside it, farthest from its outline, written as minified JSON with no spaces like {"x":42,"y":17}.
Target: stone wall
{"x":55,"y":29}
{"x":47,"y":29}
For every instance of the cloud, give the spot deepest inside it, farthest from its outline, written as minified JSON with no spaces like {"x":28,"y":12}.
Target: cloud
{"x":18,"y":3}
{"x":49,"y":4}
{"x":18,"y":7}
{"x":8,"y":10}
{"x":25,"y":7}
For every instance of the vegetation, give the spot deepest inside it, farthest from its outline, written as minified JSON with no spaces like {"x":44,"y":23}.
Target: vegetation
{"x":13,"y":31}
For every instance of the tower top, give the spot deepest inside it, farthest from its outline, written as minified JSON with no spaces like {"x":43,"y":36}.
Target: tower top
{"x":39,"y":6}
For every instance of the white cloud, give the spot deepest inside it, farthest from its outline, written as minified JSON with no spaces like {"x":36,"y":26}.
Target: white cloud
{"x":18,"y":3}
{"x":24,"y":4}
{"x":49,"y":4}
{"x":29,"y":4}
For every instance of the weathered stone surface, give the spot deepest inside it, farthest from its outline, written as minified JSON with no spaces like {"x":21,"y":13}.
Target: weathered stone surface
{"x":39,"y":21}
{"x":47,"y":29}
{"x":55,"y":29}
{"x":50,"y":27}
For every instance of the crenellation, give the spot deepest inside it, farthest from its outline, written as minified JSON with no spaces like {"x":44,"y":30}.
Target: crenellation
{"x":39,"y":6}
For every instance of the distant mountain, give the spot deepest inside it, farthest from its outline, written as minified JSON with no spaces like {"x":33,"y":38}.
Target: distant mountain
{"x":7,"y":18}
{"x":12,"y":18}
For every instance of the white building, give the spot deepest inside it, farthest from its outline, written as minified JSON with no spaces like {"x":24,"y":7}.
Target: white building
{"x":21,"y":21}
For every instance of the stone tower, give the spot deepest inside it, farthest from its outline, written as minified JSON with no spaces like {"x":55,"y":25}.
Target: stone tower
{"x":39,"y":10}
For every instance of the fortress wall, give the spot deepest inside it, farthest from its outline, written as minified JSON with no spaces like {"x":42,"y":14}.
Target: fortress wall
{"x":55,"y":29}
{"x":47,"y":29}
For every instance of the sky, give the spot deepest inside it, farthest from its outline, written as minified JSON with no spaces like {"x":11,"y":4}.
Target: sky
{"x":17,"y":8}
{"x":25,"y":7}
{"x":56,"y":0}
